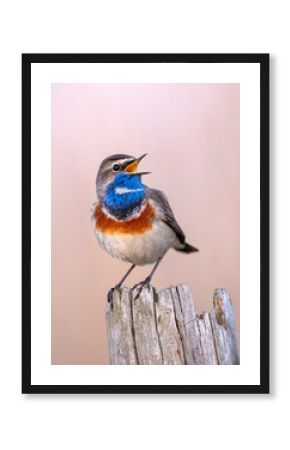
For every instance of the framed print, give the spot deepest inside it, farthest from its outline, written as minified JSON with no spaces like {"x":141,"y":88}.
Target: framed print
{"x":145,"y":223}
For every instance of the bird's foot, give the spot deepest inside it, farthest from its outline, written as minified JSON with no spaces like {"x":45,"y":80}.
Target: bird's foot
{"x":139,"y":286}
{"x":110,"y":295}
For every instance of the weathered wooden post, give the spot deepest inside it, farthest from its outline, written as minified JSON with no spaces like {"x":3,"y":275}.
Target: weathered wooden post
{"x":162,"y":327}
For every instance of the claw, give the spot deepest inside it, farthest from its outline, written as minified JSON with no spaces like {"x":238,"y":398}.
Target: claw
{"x":110,"y":297}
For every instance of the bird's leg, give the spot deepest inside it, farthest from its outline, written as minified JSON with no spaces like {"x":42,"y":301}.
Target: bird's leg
{"x":111,"y":291}
{"x":147,"y":280}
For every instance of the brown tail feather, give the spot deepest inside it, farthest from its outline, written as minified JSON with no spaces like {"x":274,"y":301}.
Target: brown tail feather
{"x":186,"y":248}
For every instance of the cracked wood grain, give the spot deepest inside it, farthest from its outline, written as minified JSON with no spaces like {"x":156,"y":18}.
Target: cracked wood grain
{"x":161,"y":327}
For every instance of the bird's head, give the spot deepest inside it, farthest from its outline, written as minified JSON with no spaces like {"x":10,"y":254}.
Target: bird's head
{"x":112,"y":167}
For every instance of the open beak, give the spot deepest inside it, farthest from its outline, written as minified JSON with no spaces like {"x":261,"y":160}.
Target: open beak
{"x":131,"y":167}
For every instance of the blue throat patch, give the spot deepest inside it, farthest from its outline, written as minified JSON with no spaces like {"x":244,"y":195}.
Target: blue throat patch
{"x":124,"y":195}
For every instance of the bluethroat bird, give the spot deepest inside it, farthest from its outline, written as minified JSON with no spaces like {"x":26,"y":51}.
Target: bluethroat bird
{"x":133,"y":222}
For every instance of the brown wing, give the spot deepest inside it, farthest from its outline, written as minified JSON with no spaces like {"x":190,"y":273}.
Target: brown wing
{"x":166,"y":213}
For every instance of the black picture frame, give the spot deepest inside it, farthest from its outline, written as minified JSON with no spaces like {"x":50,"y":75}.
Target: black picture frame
{"x":263,"y":60}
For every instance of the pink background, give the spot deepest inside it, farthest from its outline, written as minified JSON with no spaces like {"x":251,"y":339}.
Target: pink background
{"x":191,"y":135}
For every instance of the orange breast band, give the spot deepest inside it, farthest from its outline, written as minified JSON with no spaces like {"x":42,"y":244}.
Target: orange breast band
{"x":138,"y":225}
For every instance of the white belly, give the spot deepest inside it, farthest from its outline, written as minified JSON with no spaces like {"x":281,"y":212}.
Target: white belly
{"x":139,"y":249}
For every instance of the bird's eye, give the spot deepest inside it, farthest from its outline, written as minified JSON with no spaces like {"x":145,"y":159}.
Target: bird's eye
{"x":116,"y":167}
